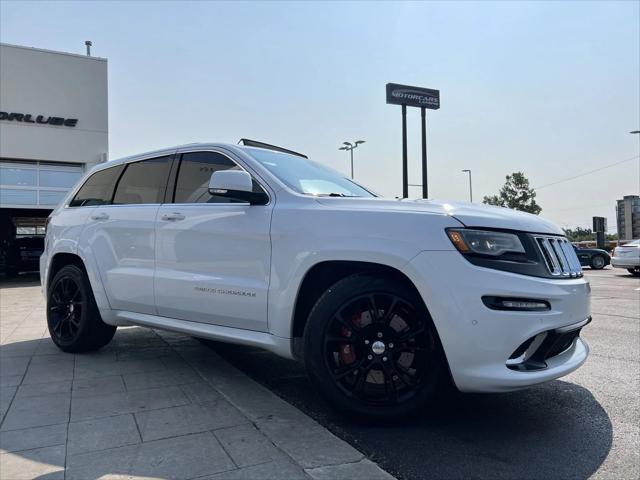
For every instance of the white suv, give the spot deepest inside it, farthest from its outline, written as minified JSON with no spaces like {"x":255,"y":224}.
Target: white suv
{"x":381,"y":298}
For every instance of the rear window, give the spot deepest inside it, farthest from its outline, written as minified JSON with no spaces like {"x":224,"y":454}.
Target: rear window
{"x":143,"y":182}
{"x":98,"y":189}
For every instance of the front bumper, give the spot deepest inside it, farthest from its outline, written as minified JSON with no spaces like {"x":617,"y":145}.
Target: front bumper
{"x":479,"y":341}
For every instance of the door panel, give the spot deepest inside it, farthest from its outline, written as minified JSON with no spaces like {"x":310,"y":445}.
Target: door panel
{"x":120,"y":232}
{"x":213,"y":253}
{"x":212,"y":263}
{"x":121,"y":238}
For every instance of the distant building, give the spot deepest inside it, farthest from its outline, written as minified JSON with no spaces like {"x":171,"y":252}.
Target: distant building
{"x":628,"y":217}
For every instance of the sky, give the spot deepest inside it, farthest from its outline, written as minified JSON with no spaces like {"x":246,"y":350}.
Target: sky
{"x":551,"y":89}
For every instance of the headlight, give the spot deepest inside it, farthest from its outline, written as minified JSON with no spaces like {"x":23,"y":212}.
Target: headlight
{"x":485,"y":242}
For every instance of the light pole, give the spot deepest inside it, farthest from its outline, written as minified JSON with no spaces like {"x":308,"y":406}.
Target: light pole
{"x":470,"y":187}
{"x":351,"y":147}
{"x":636,"y":132}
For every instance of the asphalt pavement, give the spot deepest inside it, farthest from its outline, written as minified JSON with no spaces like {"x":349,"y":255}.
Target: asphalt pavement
{"x":584,"y":425}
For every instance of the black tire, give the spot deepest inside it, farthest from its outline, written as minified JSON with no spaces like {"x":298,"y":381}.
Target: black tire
{"x":394,"y":312}
{"x":598,"y":262}
{"x":634,"y":271}
{"x":73,"y":317}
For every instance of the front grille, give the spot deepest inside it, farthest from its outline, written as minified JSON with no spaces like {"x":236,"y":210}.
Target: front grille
{"x":559,"y":256}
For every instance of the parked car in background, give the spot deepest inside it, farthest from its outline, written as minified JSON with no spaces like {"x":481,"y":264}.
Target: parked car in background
{"x":24,"y":256}
{"x":20,"y":245}
{"x":595,"y":258}
{"x":627,"y":256}
{"x":382,"y":299}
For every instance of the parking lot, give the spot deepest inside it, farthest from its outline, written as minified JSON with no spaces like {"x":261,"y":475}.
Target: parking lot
{"x":166,"y":406}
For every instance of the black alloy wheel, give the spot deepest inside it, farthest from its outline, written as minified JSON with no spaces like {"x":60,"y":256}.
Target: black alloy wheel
{"x":73,"y":317}
{"x":65,"y":308}
{"x":376,"y":353}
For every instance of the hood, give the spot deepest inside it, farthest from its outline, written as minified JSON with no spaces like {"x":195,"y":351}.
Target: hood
{"x":469,"y":214}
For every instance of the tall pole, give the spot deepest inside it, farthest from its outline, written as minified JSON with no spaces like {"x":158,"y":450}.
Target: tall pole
{"x":351,"y":163}
{"x":470,"y":185}
{"x":637,"y":132}
{"x":405,"y":168}
{"x":425,"y":185}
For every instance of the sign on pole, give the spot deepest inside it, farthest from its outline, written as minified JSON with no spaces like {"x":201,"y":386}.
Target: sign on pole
{"x":599,"y":224}
{"x":424,"y":98}
{"x":413,"y":96}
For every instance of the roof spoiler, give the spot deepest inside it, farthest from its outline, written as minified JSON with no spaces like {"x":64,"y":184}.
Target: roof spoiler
{"x":254,"y":143}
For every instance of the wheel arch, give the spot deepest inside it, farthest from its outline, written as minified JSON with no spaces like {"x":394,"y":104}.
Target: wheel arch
{"x":321,"y":276}
{"x":60,"y":259}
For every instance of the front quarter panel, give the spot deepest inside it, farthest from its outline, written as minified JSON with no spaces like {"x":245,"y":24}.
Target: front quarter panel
{"x":305,"y":233}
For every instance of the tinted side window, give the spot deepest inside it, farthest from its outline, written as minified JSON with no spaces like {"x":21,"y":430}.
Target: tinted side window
{"x":98,"y":189}
{"x":193,"y":177}
{"x":143,"y":182}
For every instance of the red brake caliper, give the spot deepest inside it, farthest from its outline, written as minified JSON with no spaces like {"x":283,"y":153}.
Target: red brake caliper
{"x":347,"y":354}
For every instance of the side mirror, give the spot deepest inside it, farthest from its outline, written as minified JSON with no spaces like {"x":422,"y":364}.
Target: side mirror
{"x":236,"y":185}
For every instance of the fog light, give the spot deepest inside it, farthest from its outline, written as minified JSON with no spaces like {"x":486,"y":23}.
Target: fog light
{"x":517,"y":304}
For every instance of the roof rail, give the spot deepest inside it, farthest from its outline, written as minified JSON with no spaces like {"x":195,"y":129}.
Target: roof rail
{"x":254,"y":143}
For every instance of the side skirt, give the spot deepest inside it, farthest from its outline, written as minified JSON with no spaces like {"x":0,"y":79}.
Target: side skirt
{"x":278,"y":345}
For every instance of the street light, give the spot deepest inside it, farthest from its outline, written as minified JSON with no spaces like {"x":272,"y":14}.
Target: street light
{"x":636,"y":132}
{"x":470,"y":187}
{"x":350,"y":147}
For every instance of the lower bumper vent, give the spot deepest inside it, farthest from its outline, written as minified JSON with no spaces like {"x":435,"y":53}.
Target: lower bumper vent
{"x":534,"y":352}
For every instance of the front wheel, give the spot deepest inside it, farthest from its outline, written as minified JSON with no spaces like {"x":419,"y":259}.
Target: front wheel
{"x":73,"y":317}
{"x":598,"y":262}
{"x":371,"y":347}
{"x":634,"y":271}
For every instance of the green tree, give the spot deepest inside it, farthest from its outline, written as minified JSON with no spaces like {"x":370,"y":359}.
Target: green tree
{"x":517,"y":194}
{"x":579,"y":234}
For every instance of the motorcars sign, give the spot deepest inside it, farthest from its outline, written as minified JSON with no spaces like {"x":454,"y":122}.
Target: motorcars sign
{"x":413,"y":96}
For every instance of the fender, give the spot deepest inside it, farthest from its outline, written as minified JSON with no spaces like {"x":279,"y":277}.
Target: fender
{"x":283,"y":295}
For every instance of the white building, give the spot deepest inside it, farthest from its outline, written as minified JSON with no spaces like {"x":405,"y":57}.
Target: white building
{"x":53,"y":127}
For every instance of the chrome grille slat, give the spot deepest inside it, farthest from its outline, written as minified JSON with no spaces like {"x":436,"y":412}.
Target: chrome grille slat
{"x":560,"y":258}
{"x":573,"y":258}
{"x":565,"y":269}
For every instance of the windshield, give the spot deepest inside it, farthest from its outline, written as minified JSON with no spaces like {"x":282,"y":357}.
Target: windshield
{"x":632,"y":243}
{"x":307,"y":177}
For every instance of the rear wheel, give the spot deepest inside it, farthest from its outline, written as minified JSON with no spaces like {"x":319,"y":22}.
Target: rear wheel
{"x":598,"y":262}
{"x":634,"y":271}
{"x":371,"y":347}
{"x":73,"y":318}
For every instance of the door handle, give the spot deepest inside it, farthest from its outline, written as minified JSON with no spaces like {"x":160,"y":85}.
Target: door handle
{"x":173,"y":217}
{"x":100,"y":216}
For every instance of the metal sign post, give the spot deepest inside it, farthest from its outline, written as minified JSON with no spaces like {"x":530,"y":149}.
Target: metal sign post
{"x":405,"y":166}
{"x":414,"y":97}
{"x":425,"y":184}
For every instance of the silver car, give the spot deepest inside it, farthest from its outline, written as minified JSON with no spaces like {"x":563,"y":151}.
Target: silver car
{"x":627,"y":256}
